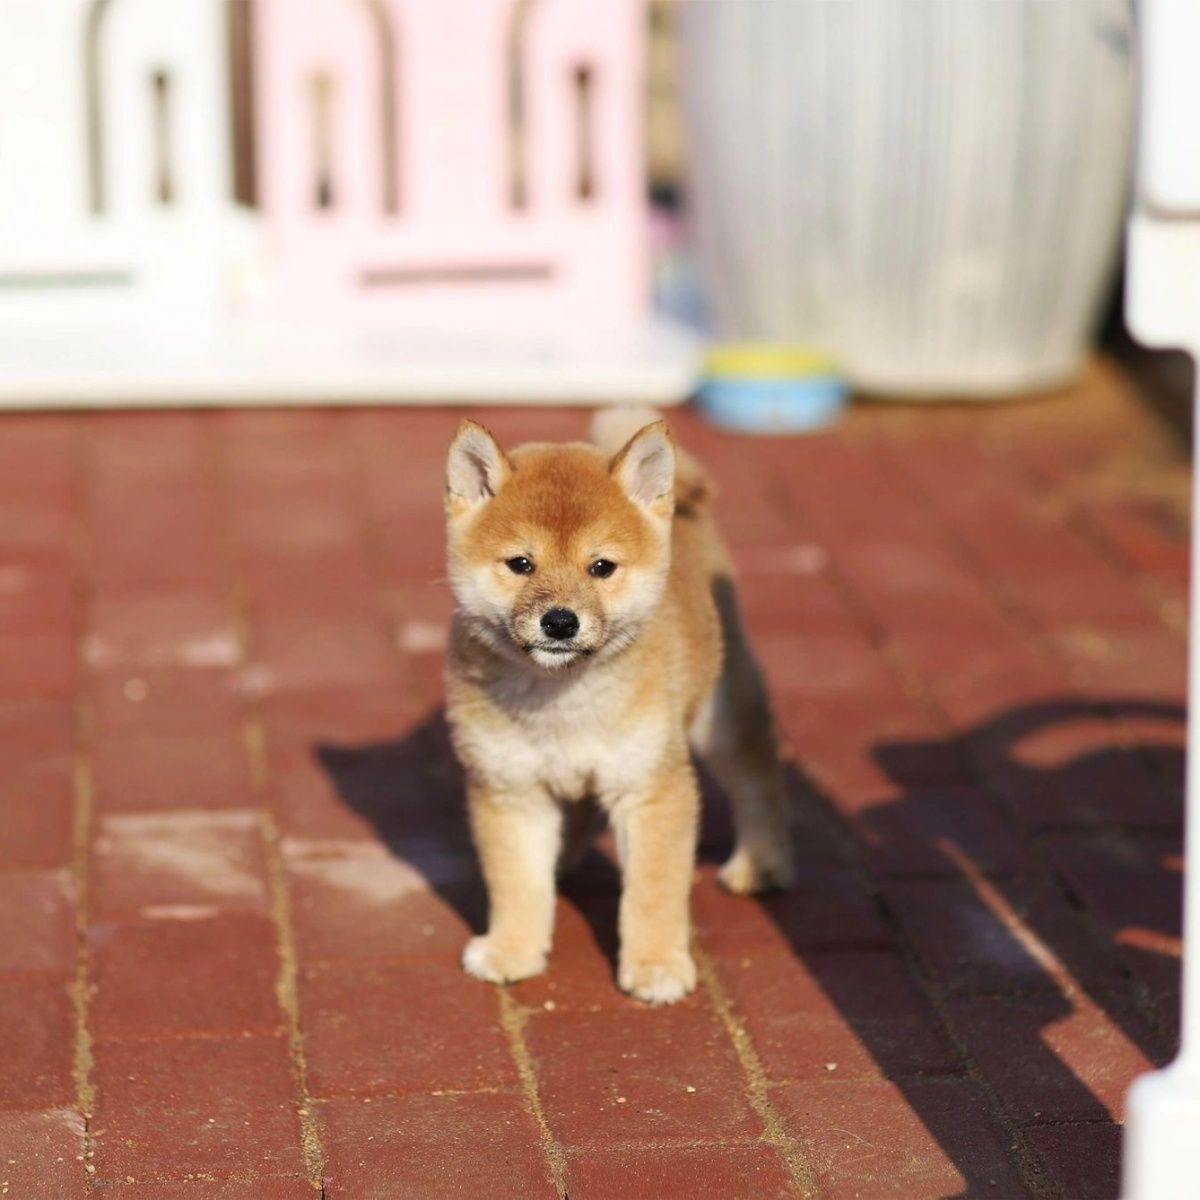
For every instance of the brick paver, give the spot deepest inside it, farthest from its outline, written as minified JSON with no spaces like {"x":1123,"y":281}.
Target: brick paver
{"x":235,"y":875}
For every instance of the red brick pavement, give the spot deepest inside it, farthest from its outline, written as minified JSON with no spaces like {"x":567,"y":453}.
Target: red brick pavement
{"x":234,"y":878}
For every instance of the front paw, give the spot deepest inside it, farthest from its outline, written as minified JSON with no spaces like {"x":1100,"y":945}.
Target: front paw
{"x":662,"y":982}
{"x":748,"y":872}
{"x":487,"y":959}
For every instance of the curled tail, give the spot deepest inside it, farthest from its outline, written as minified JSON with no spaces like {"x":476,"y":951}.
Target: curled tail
{"x":613,"y":427}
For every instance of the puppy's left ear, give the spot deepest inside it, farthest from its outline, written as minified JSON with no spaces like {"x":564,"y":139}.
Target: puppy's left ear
{"x":475,"y":470}
{"x":645,"y":469}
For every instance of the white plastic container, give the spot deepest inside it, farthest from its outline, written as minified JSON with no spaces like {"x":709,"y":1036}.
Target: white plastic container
{"x":932,"y":191}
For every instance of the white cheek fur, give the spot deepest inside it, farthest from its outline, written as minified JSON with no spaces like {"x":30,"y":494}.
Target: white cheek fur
{"x":478,"y":599}
{"x":638,"y":598}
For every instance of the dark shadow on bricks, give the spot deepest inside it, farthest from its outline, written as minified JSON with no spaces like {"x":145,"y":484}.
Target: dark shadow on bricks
{"x":1119,"y":807}
{"x":926,"y":833}
{"x":411,"y":792}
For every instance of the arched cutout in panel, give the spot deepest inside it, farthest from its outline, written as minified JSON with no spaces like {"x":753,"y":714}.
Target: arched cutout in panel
{"x":518,"y":149}
{"x":583,"y":83}
{"x":93,"y":92}
{"x":389,"y":100}
{"x":164,"y":159}
{"x":240,"y":35}
{"x":323,"y":96}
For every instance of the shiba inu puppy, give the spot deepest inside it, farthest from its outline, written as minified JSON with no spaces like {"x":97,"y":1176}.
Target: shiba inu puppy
{"x":595,"y":646}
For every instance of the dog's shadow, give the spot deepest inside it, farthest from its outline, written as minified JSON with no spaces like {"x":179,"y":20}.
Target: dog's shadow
{"x":411,"y":791}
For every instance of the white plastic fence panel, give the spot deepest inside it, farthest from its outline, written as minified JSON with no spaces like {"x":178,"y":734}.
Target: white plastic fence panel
{"x":115,"y":159}
{"x":1162,"y":1141}
{"x":45,"y":213}
{"x":164,"y":77}
{"x":167,"y":146}
{"x":1169,"y":174}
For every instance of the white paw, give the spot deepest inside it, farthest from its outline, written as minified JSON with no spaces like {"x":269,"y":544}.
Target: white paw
{"x":748,"y":872}
{"x":484,"y":959}
{"x":659,"y":982}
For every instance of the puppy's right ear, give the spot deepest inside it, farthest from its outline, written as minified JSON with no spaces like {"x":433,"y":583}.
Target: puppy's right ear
{"x":476,"y":469}
{"x":645,"y":469}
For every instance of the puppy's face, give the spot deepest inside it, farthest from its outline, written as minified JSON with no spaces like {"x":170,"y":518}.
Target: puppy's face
{"x":556,"y":553}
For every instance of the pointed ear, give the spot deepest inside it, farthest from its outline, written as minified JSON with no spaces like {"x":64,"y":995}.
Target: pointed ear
{"x":645,"y":469}
{"x":475,"y":470}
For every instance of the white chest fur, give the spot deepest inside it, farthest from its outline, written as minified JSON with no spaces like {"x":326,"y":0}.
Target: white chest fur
{"x":585,"y":734}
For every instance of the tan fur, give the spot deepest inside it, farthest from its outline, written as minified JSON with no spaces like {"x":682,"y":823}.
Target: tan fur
{"x":660,"y":667}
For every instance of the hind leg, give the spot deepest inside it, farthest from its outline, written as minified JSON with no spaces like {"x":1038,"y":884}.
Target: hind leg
{"x":734,"y":737}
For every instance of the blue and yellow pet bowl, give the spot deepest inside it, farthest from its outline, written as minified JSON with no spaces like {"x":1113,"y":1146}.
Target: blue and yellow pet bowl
{"x":771,"y":389}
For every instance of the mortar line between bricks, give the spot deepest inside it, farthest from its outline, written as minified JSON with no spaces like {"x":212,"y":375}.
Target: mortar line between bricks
{"x":512,"y":1021}
{"x":1008,"y":601}
{"x":911,"y":678}
{"x":1017,"y":613}
{"x":1027,"y":1162}
{"x":1026,"y":1159}
{"x":83,"y":796}
{"x":1170,"y":608}
{"x":357,"y":473}
{"x":286,"y":985}
{"x":996,"y":589}
{"x":1027,"y":622}
{"x":775,"y":1132}
{"x":1044,"y":1122}
{"x":253,"y":740}
{"x":1009,"y":604}
{"x":81,"y":835}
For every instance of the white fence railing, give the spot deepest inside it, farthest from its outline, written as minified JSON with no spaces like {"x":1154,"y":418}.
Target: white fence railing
{"x":1162,"y":1144}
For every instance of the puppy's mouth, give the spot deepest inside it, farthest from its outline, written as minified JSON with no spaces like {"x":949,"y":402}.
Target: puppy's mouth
{"x":557,"y":652}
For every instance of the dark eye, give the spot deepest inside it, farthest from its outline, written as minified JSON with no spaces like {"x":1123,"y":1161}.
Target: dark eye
{"x":520,"y":566}
{"x":602,"y":568}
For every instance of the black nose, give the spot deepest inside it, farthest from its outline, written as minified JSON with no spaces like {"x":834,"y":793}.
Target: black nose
{"x":560,"y":623}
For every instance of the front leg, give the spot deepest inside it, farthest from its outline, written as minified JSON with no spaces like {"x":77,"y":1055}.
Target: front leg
{"x":656,"y":840}
{"x":517,"y":838}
